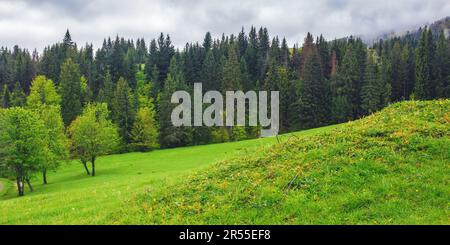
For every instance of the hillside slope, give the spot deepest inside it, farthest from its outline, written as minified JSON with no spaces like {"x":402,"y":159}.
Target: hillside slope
{"x":392,"y":167}
{"x":72,"y":197}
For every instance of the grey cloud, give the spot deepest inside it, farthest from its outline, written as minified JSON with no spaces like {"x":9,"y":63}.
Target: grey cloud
{"x":34,"y":24}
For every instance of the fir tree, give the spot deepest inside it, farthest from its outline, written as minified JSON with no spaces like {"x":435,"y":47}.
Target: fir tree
{"x":423,"y":88}
{"x":171,"y":136}
{"x":371,"y":91}
{"x":70,"y":88}
{"x":442,"y":67}
{"x":123,"y":109}
{"x":231,"y":80}
{"x":6,"y":97}
{"x":343,"y":86}
{"x":313,"y":98}
{"x":18,"y":97}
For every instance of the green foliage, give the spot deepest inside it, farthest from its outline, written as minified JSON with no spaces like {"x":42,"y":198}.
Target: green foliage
{"x":92,"y":134}
{"x":123,"y":110}
{"x":23,"y":144}
{"x":388,"y":168}
{"x":171,"y":136}
{"x":231,"y":80}
{"x":57,"y":145}
{"x":238,"y":133}
{"x":86,"y":92}
{"x":442,"y":70}
{"x":17,"y":97}
{"x":106,"y":93}
{"x":313,"y":102}
{"x":42,"y":92}
{"x":6,"y":97}
{"x":144,"y":134}
{"x":375,"y":92}
{"x":70,"y":89}
{"x":78,"y":199}
{"x":345,"y":88}
{"x":424,"y":60}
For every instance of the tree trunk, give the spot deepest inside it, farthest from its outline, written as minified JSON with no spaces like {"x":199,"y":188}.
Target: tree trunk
{"x":93,"y":166}
{"x":44,"y":176}
{"x":19,"y":185}
{"x":85,"y":167}
{"x":29,"y":184}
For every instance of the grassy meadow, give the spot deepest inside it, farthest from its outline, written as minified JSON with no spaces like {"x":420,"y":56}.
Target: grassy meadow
{"x":72,"y":197}
{"x":392,"y":167}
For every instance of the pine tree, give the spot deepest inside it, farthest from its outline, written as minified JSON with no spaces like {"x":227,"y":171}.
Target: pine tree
{"x":207,"y":41}
{"x":18,"y":97}
{"x":171,"y":136}
{"x":324,"y":52}
{"x":423,"y":88}
{"x":70,"y":88}
{"x":251,"y":54}
{"x":295,"y":63}
{"x":144,"y":134}
{"x":284,"y":54}
{"x":231,"y":80}
{"x":43,"y":92}
{"x":407,"y":75}
{"x":246,"y":81}
{"x":397,"y":72}
{"x":343,"y":87}
{"x":307,"y":48}
{"x":442,"y":69}
{"x":371,"y":91}
{"x":6,"y":97}
{"x":242,"y":43}
{"x":313,"y":98}
{"x":262,"y":53}
{"x":106,"y":93}
{"x":123,"y":110}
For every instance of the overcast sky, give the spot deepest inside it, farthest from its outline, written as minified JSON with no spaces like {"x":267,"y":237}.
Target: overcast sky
{"x":35,"y":24}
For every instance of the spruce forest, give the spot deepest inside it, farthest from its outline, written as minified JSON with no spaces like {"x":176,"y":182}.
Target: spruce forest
{"x":364,"y":131}
{"x":320,"y":82}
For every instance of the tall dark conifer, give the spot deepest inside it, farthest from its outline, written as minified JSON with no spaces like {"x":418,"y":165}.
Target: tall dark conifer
{"x":70,"y":87}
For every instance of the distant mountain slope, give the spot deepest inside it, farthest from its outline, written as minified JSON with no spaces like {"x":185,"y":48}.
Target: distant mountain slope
{"x":389,"y":168}
{"x":436,"y":27}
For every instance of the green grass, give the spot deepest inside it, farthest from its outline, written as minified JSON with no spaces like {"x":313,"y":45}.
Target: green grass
{"x":72,"y":197}
{"x":392,"y":167}
{"x":389,"y":168}
{"x":5,"y":186}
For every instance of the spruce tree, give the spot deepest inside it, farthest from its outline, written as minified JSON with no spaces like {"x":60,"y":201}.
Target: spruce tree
{"x":171,"y":136}
{"x":423,"y":88}
{"x":370,"y":92}
{"x":231,"y":80}
{"x":18,"y":97}
{"x":442,"y":67}
{"x":106,"y":93}
{"x":407,"y":75}
{"x":70,"y":88}
{"x":397,"y":72}
{"x":6,"y":97}
{"x":123,"y":109}
{"x":313,"y":110}
{"x":343,"y":86}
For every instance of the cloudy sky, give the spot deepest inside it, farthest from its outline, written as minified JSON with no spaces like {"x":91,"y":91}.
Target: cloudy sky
{"x":35,"y":24}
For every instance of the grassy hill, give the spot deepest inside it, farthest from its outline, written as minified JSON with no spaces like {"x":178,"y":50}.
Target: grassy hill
{"x":72,"y":197}
{"x":391,"y":167}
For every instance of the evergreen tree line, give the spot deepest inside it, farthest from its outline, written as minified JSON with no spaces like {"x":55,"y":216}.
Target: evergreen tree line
{"x":320,"y":83}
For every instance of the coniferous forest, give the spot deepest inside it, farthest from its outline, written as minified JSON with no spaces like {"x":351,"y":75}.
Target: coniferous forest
{"x":321,"y":82}
{"x":96,"y":133}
